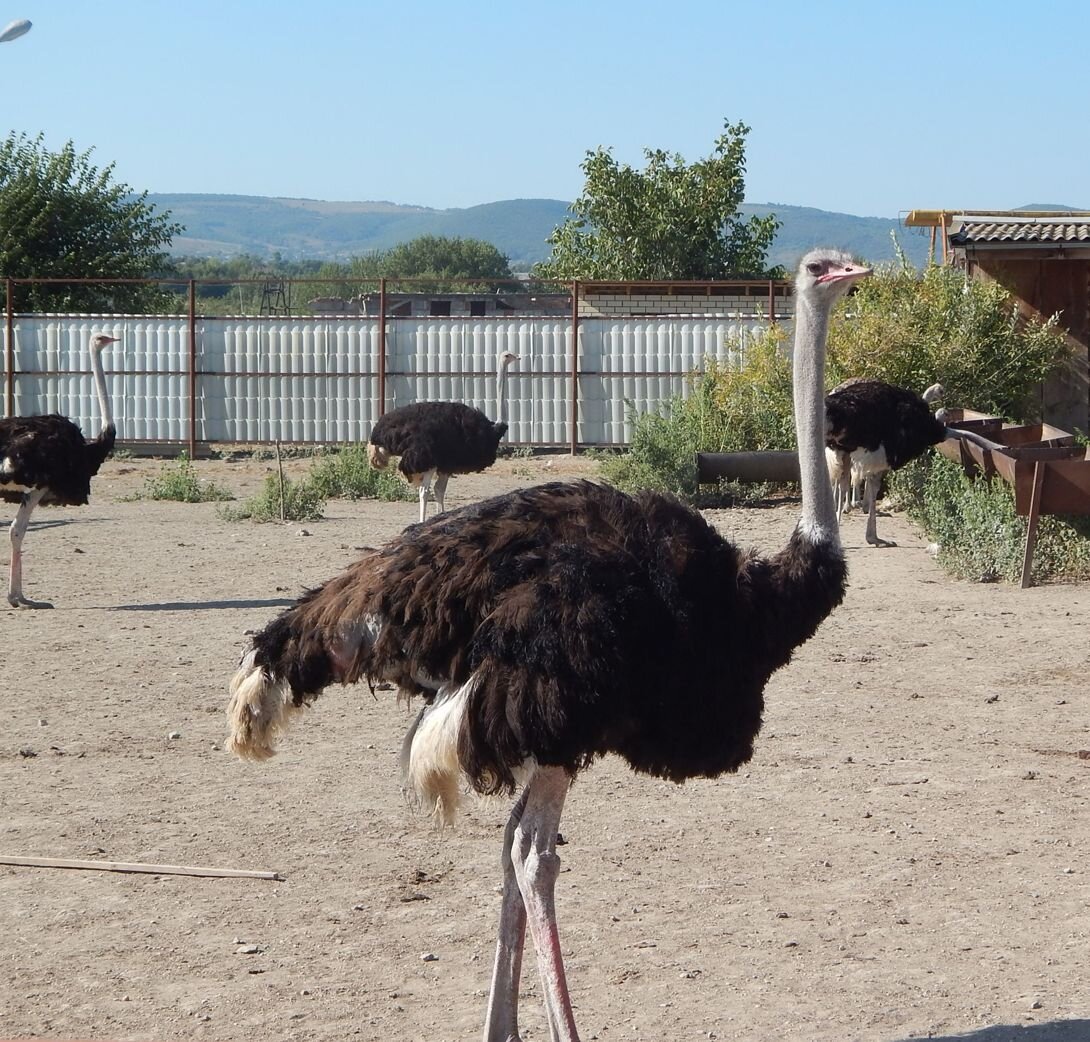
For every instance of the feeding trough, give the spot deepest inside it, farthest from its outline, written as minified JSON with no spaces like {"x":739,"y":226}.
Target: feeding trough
{"x":1049,"y":472}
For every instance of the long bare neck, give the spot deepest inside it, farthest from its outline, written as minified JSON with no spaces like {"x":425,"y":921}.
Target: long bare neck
{"x":100,"y":388}
{"x":818,"y":521}
{"x":501,"y":392}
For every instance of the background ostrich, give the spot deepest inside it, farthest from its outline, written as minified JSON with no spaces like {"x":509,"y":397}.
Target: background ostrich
{"x":46,"y":459}
{"x":549,"y":626}
{"x":437,"y":439}
{"x":873,"y":427}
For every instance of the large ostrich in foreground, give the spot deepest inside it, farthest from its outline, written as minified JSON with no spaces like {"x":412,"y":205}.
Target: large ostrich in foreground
{"x":46,"y":459}
{"x":550,"y":626}
{"x":873,"y":427}
{"x":437,"y":439}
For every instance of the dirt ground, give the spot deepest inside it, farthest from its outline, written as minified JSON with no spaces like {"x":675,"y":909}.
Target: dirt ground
{"x":907,"y":856}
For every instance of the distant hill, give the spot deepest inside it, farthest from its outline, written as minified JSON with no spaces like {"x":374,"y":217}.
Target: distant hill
{"x":227,"y":225}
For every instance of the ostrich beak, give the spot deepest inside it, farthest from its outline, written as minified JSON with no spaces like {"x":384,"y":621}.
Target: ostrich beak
{"x":849,"y":273}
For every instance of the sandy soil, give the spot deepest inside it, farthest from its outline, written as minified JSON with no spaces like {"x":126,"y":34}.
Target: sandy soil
{"x":907,"y":855}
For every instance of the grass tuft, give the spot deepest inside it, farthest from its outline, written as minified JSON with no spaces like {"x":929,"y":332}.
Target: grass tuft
{"x":302,"y":501}
{"x":179,"y":483}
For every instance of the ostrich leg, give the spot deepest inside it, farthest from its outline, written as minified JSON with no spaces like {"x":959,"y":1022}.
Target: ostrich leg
{"x":440,"y":490}
{"x":870,"y":497}
{"x":18,"y":531}
{"x":425,"y":490}
{"x":501,"y":1019}
{"x":536,"y":866}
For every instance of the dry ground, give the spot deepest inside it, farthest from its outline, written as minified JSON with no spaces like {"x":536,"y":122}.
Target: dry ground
{"x":906,"y":856}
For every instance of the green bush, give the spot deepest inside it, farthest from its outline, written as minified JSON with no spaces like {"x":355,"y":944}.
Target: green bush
{"x":914,"y":329}
{"x":302,"y":501}
{"x":979,"y":534}
{"x":906,"y":327}
{"x":347,"y":474}
{"x":730,"y":409}
{"x":179,"y":482}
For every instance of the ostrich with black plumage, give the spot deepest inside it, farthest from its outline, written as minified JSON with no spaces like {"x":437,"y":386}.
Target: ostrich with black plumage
{"x":550,"y":626}
{"x":46,"y":459}
{"x":437,"y":439}
{"x":873,"y":427}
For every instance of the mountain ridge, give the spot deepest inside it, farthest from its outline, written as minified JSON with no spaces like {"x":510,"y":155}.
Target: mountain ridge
{"x":222,"y":224}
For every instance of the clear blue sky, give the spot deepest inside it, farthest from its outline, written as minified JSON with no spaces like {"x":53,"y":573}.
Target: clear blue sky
{"x":869,"y":108}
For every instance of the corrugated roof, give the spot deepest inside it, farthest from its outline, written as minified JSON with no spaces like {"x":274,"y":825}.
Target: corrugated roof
{"x":1026,"y":231}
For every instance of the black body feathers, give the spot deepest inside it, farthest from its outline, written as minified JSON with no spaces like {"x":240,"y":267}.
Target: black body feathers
{"x":867,"y":414}
{"x":50,"y":452}
{"x":448,"y":437}
{"x":589,"y":620}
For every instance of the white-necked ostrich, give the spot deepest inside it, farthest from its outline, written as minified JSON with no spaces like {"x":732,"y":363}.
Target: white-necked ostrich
{"x":873,"y":427}
{"x":437,"y":439}
{"x":550,"y":626}
{"x":46,"y":459}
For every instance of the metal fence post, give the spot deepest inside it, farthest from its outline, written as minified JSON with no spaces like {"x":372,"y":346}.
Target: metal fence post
{"x":192,"y":369}
{"x":382,"y":347}
{"x":9,"y":361}
{"x":574,"y":418}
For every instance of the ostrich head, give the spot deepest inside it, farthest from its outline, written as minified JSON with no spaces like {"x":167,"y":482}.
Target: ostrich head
{"x":824,"y":276}
{"x":507,"y":358}
{"x":100,"y":340}
{"x":933,"y":393}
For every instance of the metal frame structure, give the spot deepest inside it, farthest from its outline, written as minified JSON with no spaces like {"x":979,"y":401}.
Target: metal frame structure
{"x":775,"y":292}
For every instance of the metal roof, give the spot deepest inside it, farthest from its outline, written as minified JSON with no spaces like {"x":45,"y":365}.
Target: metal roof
{"x":1032,"y":231}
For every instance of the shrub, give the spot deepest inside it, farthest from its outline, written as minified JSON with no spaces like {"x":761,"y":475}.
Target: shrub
{"x":179,"y":482}
{"x":916,"y":328}
{"x":347,"y":474}
{"x":979,"y":534}
{"x":906,"y":327}
{"x":731,"y":408}
{"x":302,"y":501}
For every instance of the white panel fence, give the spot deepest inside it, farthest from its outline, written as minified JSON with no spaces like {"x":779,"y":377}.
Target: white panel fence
{"x":319,"y":380}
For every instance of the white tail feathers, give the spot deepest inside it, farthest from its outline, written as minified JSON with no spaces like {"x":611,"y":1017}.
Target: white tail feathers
{"x":432,"y":770}
{"x":377,"y":456}
{"x":259,"y":711}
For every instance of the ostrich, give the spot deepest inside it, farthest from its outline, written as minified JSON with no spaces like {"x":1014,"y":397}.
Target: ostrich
{"x":46,"y":459}
{"x":873,"y":427}
{"x":437,"y":439}
{"x":549,"y":626}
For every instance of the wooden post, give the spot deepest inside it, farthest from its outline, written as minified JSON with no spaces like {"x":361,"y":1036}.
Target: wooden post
{"x":280,"y":477}
{"x":1031,"y":528}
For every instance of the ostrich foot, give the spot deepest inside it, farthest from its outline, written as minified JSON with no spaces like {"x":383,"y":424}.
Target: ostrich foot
{"x":875,"y":541}
{"x":25,"y":602}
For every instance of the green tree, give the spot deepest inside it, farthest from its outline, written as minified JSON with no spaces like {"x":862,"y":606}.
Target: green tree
{"x":668,"y":221}
{"x":435,"y":257}
{"x":61,"y":217}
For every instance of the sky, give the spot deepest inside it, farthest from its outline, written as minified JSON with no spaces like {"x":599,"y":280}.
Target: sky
{"x":870,"y":108}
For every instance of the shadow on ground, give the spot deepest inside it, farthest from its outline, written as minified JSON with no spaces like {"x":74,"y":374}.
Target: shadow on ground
{"x":1052,"y":1031}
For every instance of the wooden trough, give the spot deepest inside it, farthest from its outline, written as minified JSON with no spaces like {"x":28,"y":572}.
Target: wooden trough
{"x":1049,"y":472}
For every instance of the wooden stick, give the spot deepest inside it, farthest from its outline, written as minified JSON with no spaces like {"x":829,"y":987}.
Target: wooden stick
{"x":133,"y":866}
{"x":1031,"y":528}
{"x":280,"y":471}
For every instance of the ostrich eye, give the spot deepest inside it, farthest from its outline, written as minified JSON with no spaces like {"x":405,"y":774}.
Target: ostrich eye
{"x":814,"y":269}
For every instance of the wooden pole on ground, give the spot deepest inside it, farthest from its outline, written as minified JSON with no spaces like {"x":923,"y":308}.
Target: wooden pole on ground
{"x":135,"y":866}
